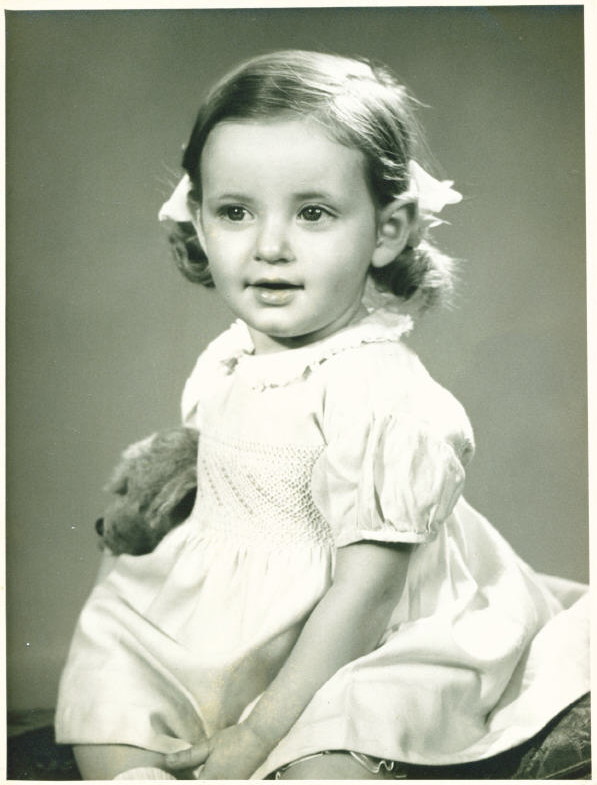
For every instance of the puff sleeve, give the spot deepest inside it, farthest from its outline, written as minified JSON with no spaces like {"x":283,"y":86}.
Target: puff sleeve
{"x":397,"y":444}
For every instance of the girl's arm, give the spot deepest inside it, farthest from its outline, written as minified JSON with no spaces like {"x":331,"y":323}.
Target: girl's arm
{"x":347,"y":623}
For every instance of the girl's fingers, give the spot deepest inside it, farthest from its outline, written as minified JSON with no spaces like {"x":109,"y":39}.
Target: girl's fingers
{"x":186,"y":759}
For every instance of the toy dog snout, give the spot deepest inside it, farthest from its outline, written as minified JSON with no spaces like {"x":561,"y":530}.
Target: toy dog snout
{"x":99,"y":526}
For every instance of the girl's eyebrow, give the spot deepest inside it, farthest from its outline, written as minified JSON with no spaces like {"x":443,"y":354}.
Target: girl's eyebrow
{"x":235,"y":196}
{"x":305,"y":195}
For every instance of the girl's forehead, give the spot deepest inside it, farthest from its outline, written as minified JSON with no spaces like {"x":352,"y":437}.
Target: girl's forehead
{"x":288,"y":146}
{"x":279,"y":130}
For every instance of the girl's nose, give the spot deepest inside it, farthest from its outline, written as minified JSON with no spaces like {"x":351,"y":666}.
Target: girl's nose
{"x":272,"y":245}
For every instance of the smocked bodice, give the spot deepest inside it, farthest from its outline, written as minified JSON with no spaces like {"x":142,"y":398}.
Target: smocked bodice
{"x":259,"y":494}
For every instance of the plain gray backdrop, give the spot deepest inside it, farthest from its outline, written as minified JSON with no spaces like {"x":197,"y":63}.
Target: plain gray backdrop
{"x":102,"y":330}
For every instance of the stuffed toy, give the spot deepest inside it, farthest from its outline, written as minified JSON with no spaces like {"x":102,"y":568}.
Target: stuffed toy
{"x":155,"y":485}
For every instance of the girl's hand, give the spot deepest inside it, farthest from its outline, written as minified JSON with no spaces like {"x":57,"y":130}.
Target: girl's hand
{"x":231,"y":754}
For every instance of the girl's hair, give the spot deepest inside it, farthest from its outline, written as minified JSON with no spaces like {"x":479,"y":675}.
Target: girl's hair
{"x":360,"y":105}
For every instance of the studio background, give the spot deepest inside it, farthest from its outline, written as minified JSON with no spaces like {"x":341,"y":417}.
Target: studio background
{"x":102,"y":330}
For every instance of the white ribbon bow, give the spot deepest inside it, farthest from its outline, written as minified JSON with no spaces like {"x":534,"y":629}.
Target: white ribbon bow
{"x":432,"y":196}
{"x":177,"y":206}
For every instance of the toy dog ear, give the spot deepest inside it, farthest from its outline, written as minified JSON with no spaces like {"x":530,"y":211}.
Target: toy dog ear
{"x":181,"y":511}
{"x":174,"y":502}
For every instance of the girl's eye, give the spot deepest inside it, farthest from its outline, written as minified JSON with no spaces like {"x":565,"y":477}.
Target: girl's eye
{"x":233,"y":213}
{"x":313,"y":213}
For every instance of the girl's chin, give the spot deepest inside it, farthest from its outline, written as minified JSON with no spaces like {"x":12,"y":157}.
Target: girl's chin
{"x":279,"y":325}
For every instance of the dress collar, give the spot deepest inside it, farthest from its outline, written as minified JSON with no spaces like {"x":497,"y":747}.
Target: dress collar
{"x":278,"y":369}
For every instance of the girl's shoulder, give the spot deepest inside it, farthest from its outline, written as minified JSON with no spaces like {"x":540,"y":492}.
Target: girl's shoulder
{"x":379,"y":363}
{"x":215,"y":363}
{"x":385,"y":381}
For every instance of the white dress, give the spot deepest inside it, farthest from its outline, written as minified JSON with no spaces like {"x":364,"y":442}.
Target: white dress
{"x":302,"y":452}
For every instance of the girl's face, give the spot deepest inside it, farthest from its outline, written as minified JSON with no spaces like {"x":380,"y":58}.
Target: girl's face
{"x":289,"y":228}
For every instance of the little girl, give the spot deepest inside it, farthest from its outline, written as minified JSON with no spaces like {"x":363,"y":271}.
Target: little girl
{"x":332,"y":607}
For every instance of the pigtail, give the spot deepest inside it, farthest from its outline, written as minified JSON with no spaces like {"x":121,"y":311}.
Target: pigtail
{"x":189,"y":255}
{"x":423,"y":275}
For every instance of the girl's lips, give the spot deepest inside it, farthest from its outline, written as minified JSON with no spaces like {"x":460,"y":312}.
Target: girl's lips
{"x":275,"y":283}
{"x":276,"y":292}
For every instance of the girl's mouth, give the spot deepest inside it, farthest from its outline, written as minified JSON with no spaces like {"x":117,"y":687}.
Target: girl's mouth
{"x":276,"y":292}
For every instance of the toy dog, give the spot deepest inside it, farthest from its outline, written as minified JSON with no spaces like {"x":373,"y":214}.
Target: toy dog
{"x":155,"y":485}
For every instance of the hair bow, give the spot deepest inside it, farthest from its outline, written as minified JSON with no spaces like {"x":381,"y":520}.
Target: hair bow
{"x":432,"y":195}
{"x":177,"y":206}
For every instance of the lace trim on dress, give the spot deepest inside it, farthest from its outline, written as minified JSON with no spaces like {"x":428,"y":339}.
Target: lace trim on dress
{"x":369,"y":762}
{"x":279,"y":369}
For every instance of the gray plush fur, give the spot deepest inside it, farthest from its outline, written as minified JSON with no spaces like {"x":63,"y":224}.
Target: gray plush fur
{"x":155,"y":485}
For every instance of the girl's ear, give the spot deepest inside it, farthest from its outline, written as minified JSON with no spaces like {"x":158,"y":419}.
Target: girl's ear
{"x":395,"y":225}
